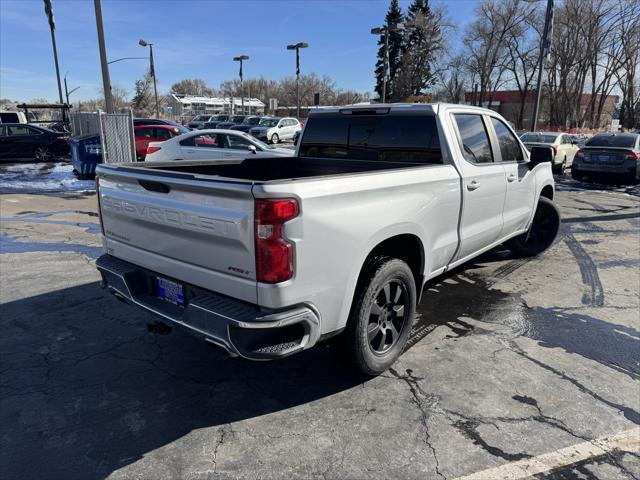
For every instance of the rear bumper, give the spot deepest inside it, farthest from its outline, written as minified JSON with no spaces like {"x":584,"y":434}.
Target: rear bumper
{"x":626,"y":168}
{"x":239,"y":327}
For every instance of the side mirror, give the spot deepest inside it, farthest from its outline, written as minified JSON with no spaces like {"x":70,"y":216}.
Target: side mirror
{"x":280,"y":126}
{"x":252,"y":148}
{"x":540,"y":155}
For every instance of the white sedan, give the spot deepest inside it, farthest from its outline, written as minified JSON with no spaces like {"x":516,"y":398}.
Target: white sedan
{"x":215,"y":145}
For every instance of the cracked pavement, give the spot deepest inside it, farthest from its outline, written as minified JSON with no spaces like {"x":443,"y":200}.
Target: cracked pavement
{"x":509,"y":359}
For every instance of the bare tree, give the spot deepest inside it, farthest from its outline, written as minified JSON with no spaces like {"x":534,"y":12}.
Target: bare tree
{"x":487,"y":39}
{"x":628,"y":75}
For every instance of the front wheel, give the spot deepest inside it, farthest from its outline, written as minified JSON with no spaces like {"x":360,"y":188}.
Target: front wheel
{"x":542,"y":232}
{"x":43,"y":154}
{"x":275,"y":138}
{"x":381,"y":315}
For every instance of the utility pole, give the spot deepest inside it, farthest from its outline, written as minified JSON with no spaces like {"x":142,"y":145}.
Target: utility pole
{"x":152,"y":70}
{"x":240,"y":59}
{"x":48,"y":10}
{"x":297,"y":48}
{"x":106,"y":81}
{"x":66,"y":89}
{"x":545,"y":45}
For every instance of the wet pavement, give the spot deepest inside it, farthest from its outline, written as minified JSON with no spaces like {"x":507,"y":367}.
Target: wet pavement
{"x":510,"y":360}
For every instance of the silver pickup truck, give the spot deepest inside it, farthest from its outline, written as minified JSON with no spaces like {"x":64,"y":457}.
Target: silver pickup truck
{"x":266,"y":257}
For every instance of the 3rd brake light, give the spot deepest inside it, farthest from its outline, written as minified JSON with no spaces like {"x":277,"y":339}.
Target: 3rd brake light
{"x":274,"y":253}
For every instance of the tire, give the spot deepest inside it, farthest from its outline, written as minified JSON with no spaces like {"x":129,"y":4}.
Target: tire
{"x":542,"y":233}
{"x":559,"y":169}
{"x":275,"y":138}
{"x":43,"y":154}
{"x":381,"y":316}
{"x":577,"y":175}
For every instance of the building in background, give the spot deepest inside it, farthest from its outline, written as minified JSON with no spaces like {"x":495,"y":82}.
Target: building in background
{"x":508,"y":103}
{"x":188,"y":106}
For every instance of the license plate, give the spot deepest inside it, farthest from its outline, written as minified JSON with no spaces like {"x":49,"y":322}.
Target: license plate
{"x":170,"y":291}
{"x":603,"y":158}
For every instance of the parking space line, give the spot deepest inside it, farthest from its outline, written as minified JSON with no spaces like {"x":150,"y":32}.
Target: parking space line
{"x":627,"y":441}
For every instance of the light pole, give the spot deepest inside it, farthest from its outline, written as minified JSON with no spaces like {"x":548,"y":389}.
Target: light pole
{"x":66,"y":90}
{"x":52,"y":25}
{"x":106,"y":82}
{"x":240,"y":59}
{"x":545,"y":45}
{"x":142,"y":43}
{"x":297,"y":48}
{"x":387,"y":73}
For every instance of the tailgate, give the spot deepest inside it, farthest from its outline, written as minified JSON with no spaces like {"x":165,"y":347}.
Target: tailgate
{"x":195,"y":230}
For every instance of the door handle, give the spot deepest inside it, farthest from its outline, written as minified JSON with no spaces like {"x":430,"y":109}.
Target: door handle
{"x":473,"y":186}
{"x":191,"y":151}
{"x":512,"y":178}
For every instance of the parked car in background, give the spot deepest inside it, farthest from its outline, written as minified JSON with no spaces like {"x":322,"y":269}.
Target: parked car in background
{"x":18,"y":140}
{"x":199,"y":120}
{"x":268,"y":257}
{"x":12,"y":117}
{"x":233,"y":120}
{"x":276,"y":129}
{"x":609,"y":153}
{"x":216,"y":145}
{"x":159,"y":121}
{"x":153,"y":133}
{"x":247,"y":124}
{"x":564,"y":148}
{"x":214,"y":121}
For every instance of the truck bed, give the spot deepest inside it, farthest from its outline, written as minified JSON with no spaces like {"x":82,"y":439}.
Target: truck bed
{"x":279,"y":168}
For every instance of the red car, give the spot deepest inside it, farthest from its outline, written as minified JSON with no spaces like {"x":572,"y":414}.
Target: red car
{"x":154,"y":133}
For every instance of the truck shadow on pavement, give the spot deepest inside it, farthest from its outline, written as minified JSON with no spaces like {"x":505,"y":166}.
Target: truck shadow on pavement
{"x":86,"y":389}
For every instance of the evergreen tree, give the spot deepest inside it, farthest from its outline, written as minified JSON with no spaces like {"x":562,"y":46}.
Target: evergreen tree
{"x":422,"y":40}
{"x":142,"y":102}
{"x":393,"y":18}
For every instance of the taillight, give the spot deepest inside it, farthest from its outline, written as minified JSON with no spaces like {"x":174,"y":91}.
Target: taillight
{"x":153,"y":149}
{"x":99,"y":208}
{"x":555,"y":150}
{"x":579,"y":154}
{"x":633,"y":156}
{"x":64,"y":139}
{"x":274,"y":254}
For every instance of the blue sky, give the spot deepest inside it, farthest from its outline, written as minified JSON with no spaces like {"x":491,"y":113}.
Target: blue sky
{"x":192,"y":39}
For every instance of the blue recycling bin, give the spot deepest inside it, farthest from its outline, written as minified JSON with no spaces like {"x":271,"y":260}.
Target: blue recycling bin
{"x":86,"y":154}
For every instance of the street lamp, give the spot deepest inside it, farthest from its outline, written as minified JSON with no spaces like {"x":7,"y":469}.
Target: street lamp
{"x":142,"y":43}
{"x":383,"y":31}
{"x":66,"y":90}
{"x":240,"y":59}
{"x":297,"y":48}
{"x":126,"y":58}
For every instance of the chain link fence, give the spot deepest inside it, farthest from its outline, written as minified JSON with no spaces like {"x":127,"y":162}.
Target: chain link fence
{"x":84,"y":123}
{"x":117,"y":137}
{"x":115,"y":130}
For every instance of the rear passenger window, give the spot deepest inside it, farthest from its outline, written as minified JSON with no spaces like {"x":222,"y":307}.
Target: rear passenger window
{"x":9,"y":117}
{"x":474,"y":140}
{"x":388,"y":138}
{"x":509,"y":147}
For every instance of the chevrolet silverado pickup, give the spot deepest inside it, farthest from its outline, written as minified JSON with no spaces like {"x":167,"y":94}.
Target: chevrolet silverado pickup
{"x":266,"y":257}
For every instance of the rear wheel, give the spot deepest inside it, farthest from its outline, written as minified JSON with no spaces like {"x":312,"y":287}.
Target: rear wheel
{"x":541,"y":234}
{"x":576,"y":175}
{"x":43,"y":154}
{"x":275,"y":138}
{"x":381,"y":316}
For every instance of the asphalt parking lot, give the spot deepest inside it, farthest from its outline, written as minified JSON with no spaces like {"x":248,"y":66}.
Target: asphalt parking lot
{"x":515,"y":366}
